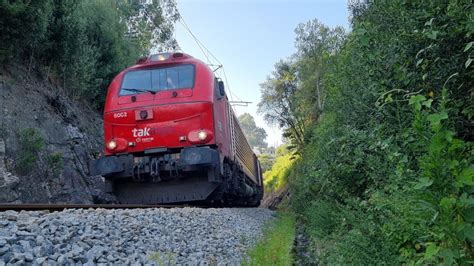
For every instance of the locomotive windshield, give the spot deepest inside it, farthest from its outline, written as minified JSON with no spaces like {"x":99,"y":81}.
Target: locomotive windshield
{"x":158,"y":79}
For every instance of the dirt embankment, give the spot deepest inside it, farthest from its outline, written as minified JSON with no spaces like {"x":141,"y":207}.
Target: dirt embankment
{"x":272,"y":199}
{"x":46,"y":140}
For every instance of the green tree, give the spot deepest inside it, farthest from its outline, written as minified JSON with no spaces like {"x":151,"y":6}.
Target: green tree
{"x":295,"y":95}
{"x":150,"y":23}
{"x":266,"y":161}
{"x":83,"y":44}
{"x":23,"y":28}
{"x":316,"y":46}
{"x":278,"y":102}
{"x":255,"y":135}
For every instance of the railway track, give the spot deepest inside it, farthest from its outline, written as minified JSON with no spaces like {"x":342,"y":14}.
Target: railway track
{"x":60,"y":207}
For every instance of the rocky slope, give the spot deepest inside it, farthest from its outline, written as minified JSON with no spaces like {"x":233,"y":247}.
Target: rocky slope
{"x":47,"y":139}
{"x":178,"y":236}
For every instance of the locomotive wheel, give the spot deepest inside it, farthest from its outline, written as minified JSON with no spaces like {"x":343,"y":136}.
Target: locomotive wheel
{"x":234,"y":196}
{"x":256,"y":199}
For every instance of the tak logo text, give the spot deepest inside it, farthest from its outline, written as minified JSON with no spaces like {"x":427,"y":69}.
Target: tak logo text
{"x":142,"y":132}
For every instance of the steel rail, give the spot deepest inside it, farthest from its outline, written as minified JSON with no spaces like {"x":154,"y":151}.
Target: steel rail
{"x":60,"y":207}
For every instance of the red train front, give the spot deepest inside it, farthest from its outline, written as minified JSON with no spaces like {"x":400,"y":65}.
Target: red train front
{"x":171,"y":136}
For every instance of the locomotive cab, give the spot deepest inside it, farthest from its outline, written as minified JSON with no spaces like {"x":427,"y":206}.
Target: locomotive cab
{"x":167,"y":135}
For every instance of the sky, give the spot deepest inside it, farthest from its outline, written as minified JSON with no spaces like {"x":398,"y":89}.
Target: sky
{"x":248,"y":37}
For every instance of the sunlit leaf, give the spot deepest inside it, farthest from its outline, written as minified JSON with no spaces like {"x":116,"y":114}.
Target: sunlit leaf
{"x":431,"y":250}
{"x":423,"y":183}
{"x":447,"y":203}
{"x":416,"y":101}
{"x":429,"y":22}
{"x":419,"y":62}
{"x":427,"y":103}
{"x":433,"y":34}
{"x":447,"y":255}
{"x":435,"y":119}
{"x":468,"y":46}
{"x":468,"y":232}
{"x":468,"y":62}
{"x":466,"y":177}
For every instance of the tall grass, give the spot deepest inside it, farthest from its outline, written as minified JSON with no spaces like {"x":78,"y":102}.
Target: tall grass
{"x":276,"y":246}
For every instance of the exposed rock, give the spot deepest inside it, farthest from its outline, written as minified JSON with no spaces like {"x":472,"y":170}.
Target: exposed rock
{"x":40,"y":260}
{"x":8,"y":181}
{"x":70,"y":129}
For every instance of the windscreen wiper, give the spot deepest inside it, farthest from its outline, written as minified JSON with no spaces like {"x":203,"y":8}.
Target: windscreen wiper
{"x":139,"y":90}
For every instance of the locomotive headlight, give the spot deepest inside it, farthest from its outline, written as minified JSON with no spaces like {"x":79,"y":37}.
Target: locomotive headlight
{"x":199,"y":136}
{"x":202,"y":135}
{"x":112,"y":145}
{"x":160,"y":57}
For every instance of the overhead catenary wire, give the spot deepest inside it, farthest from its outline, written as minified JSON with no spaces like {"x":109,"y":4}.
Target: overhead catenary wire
{"x":204,"y":49}
{"x":181,"y":20}
{"x":208,"y":53}
{"x":218,"y":62}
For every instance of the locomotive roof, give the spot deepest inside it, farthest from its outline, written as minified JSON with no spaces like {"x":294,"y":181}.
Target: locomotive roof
{"x":165,"y":58}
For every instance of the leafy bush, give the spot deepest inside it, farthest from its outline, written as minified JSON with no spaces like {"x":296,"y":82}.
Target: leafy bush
{"x":23,"y":27}
{"x":320,"y":218}
{"x":356,"y":247}
{"x":55,"y":162}
{"x":386,"y":172}
{"x":31,"y":143}
{"x":276,"y":177}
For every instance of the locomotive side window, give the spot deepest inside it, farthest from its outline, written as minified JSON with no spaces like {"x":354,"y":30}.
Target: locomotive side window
{"x":219,"y":88}
{"x":155,"y":80}
{"x":216,"y":89}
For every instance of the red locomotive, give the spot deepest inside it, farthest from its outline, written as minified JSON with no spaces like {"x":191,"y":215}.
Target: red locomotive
{"x":171,"y":136}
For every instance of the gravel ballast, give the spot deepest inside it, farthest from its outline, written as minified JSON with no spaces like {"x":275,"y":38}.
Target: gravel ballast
{"x":188,"y":236}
